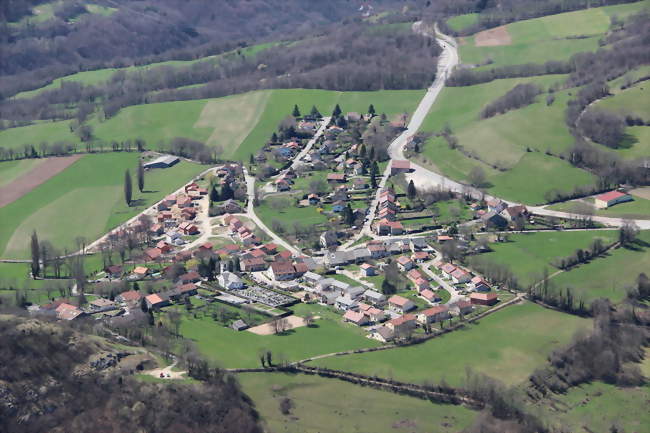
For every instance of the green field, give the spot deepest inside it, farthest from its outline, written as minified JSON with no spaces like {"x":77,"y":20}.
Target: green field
{"x":528,"y":254}
{"x":516,"y":141}
{"x":288,"y":215}
{"x":238,"y":124}
{"x":508,"y":345}
{"x":85,"y":200}
{"x":551,"y":37}
{"x":323,"y":405}
{"x":230,"y":348}
{"x":461,"y":22}
{"x":11,"y":170}
{"x":639,"y":208}
{"x":610,"y":276}
{"x":633,"y":100}
{"x":597,"y":406}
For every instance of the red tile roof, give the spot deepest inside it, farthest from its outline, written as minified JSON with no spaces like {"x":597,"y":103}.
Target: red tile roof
{"x":609,"y":196}
{"x":398,"y":300}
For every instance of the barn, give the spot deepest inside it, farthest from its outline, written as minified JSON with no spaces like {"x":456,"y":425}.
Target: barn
{"x":164,"y":161}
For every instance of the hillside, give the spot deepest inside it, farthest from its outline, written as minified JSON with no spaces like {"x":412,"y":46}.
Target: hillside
{"x":54,"y":379}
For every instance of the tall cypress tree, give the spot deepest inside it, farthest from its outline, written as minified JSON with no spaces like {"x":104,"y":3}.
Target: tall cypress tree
{"x":140,"y":175}
{"x":337,"y":111}
{"x":296,"y":111}
{"x":411,"y":192}
{"x":36,"y":255}
{"x":371,"y":110}
{"x":128,"y":188}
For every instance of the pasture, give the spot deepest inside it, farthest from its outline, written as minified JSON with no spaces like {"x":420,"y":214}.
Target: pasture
{"x":552,"y":37}
{"x":637,"y":209}
{"x":12,"y":170}
{"x":508,"y":345}
{"x":85,"y":200}
{"x":323,"y":405}
{"x":609,"y":276}
{"x":528,"y":254}
{"x":461,"y":22}
{"x":231,"y":349}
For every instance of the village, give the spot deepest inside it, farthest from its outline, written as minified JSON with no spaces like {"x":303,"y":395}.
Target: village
{"x":385,"y":257}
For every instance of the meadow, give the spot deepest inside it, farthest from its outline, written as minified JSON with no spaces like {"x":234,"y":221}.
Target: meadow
{"x":609,"y":276}
{"x":528,"y":254}
{"x":12,"y":170}
{"x":84,"y":200}
{"x":460,"y":22}
{"x":517,"y":141}
{"x":639,"y":208}
{"x":231,"y":349}
{"x":323,"y":405}
{"x":552,"y":37}
{"x":288,"y":214}
{"x":596,"y":406}
{"x":508,"y":345}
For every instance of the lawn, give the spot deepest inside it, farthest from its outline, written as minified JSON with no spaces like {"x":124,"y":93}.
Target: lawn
{"x":288,"y":215}
{"x":11,"y":170}
{"x":596,"y":406}
{"x":240,"y":349}
{"x":610,"y":276}
{"x":508,"y":345}
{"x":84,"y":200}
{"x":528,"y":254}
{"x":322,"y":405}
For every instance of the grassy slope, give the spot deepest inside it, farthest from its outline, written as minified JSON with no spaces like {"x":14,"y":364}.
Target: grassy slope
{"x":10,"y":170}
{"x":542,"y":39}
{"x":332,"y":406}
{"x":460,"y":22}
{"x":610,"y":276}
{"x":504,"y":139}
{"x":528,"y":254}
{"x":637,"y":209}
{"x":59,"y":211}
{"x":597,"y":406}
{"x":507,"y":345}
{"x":240,"y":349}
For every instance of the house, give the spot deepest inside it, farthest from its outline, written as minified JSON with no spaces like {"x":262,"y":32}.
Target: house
{"x":359,"y":183}
{"x":493,"y":219}
{"x":608,"y":199}
{"x":421,"y":284}
{"x":153,"y":254}
{"x":282,"y":185}
{"x":387,"y":213}
{"x":402,"y":324}
{"x":385,"y":227}
{"x":280,"y":271}
{"x":140,"y":271}
{"x":164,"y":247}
{"x":400,"y":304}
{"x":447,"y":268}
{"x":461,"y":307}
{"x":460,"y":276}
{"x":157,"y":300}
{"x":189,"y":289}
{"x":190,"y":277}
{"x":164,"y":161}
{"x":418,"y":244}
{"x":255,"y":264}
{"x":101,"y":304}
{"x":368,"y":270}
{"x":345,"y":303}
{"x":430,"y":296}
{"x":312,"y":278}
{"x":230,"y":206}
{"x":489,"y":298}
{"x":230,"y":281}
{"x":414,"y":275}
{"x":497,"y":206}
{"x":239,"y":325}
{"x":420,"y":256}
{"x":128,"y":297}
{"x":114,"y":271}
{"x":187,"y":228}
{"x":313,"y":199}
{"x":355,"y":317}
{"x":433,"y":314}
{"x":336,"y":177}
{"x":354,"y":292}
{"x":404,"y":263}
{"x":513,"y":212}
{"x":375,"y":314}
{"x":374,"y":297}
{"x":360,"y":255}
{"x":444,"y":238}
{"x":66,"y":311}
{"x":383,"y":334}
{"x":377,"y":250}
{"x":157,"y":229}
{"x":399,"y":166}
{"x":329,"y":239}
{"x":338,"y":258}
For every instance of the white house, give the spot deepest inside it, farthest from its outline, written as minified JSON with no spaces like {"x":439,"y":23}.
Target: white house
{"x":228,"y":280}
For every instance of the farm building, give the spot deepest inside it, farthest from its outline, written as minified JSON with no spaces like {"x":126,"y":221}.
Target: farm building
{"x":489,"y":298}
{"x":164,"y":161}
{"x":611,"y":198}
{"x":400,"y":166}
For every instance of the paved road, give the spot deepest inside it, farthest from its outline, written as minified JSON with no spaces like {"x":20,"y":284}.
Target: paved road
{"x":250,"y":212}
{"x":455,"y":295}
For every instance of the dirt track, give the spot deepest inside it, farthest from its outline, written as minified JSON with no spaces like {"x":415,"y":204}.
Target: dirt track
{"x":47,"y":169}
{"x":493,"y":37}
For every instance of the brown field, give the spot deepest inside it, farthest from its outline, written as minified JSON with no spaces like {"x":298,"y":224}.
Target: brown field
{"x":40,"y":173}
{"x":493,"y":37}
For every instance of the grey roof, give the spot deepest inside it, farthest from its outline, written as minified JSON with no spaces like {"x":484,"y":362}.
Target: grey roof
{"x":239,"y":325}
{"x":373,"y":294}
{"x":165,"y":159}
{"x":361,"y":253}
{"x":227,"y":278}
{"x":338,"y":258}
{"x":355,"y":292}
{"x":346,"y":300}
{"x":339,"y":285}
{"x":385,"y":332}
{"x":419,"y":242}
{"x":312,"y":276}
